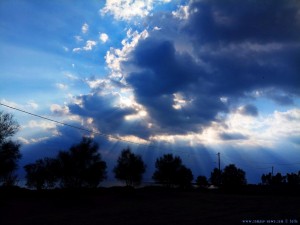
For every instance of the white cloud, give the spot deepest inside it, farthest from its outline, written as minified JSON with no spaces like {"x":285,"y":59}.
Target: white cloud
{"x":59,"y":110}
{"x":89,"y":45}
{"x":78,"y":38}
{"x":30,"y":105}
{"x":85,"y":28}
{"x":103,"y":37}
{"x":128,"y":9}
{"x":76,"y":49}
{"x":61,"y":86}
{"x":265,"y":131}
{"x":70,"y":75}
{"x":114,"y":57}
{"x":182,"y":12}
{"x":40,"y":124}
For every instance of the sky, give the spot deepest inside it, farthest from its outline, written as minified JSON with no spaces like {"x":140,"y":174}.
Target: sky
{"x":191,"y":78}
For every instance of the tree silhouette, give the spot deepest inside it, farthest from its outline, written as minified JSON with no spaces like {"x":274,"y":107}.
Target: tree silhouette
{"x":9,"y":150}
{"x":81,"y":166}
{"x":278,"y":179}
{"x":201,"y":181}
{"x":216,"y":177}
{"x":184,"y":177}
{"x":42,"y":173}
{"x":293,"y":179}
{"x":129,"y":168}
{"x":170,"y":171}
{"x":233,"y":176}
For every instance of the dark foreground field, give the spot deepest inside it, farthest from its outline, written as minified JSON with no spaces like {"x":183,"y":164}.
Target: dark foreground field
{"x":147,"y":206}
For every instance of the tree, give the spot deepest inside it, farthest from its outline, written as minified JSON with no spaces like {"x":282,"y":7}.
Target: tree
{"x":42,"y":173}
{"x":129,"y":168}
{"x":216,"y":177}
{"x":170,"y":171}
{"x":81,"y":166}
{"x":184,"y":177}
{"x":293,"y":179}
{"x":278,"y":179}
{"x":201,"y":181}
{"x":233,"y":176}
{"x":8,"y":126}
{"x":9,"y":150}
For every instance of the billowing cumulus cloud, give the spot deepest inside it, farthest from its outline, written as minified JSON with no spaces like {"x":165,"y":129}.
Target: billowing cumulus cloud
{"x":128,"y":9}
{"x":218,"y":52}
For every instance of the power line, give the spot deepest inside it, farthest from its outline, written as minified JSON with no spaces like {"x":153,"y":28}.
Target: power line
{"x":132,"y":142}
{"x":75,"y":127}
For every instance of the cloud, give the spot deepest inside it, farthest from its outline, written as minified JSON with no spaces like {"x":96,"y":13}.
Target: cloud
{"x":59,"y":110}
{"x":78,"y":38}
{"x":129,"y":9}
{"x":85,"y":28}
{"x":61,"y":86}
{"x":196,"y":76}
{"x":30,"y":105}
{"x":214,"y":58}
{"x":103,"y":37}
{"x":232,"y":136}
{"x":249,"y":110}
{"x":89,"y":45}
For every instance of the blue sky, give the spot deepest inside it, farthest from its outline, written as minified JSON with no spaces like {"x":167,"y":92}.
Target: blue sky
{"x":191,"y":78}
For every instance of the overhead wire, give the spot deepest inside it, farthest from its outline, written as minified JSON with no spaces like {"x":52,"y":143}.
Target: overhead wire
{"x":131,"y":142}
{"x":75,"y":127}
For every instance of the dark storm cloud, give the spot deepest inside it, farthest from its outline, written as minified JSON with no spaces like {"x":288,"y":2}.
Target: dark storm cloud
{"x":164,"y":72}
{"x":249,"y":110}
{"x":107,"y":115}
{"x":224,"y":49}
{"x":232,"y":21}
{"x":232,"y":136}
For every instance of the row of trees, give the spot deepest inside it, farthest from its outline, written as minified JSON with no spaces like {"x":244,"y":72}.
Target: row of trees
{"x":82,"y":166}
{"x":278,"y":179}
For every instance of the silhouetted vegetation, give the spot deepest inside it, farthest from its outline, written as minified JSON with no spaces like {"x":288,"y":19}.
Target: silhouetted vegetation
{"x":201,"y":181}
{"x":292,"y":179}
{"x":171,"y":172}
{"x":9,"y":150}
{"x":233,"y":176}
{"x":79,"y":167}
{"x":42,"y":174}
{"x":215,"y":177}
{"x":129,"y":168}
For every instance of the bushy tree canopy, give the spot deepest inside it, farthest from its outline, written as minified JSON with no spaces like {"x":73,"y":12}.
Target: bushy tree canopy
{"x":9,"y":150}
{"x":42,"y":173}
{"x":233,"y":176}
{"x":170,"y":171}
{"x":201,"y":181}
{"x":129,"y":168}
{"x":81,"y":166}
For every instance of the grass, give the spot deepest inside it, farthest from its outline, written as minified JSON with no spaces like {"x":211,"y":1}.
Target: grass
{"x":146,"y":206}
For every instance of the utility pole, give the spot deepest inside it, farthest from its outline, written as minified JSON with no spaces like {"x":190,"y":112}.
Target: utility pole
{"x":272,"y":170}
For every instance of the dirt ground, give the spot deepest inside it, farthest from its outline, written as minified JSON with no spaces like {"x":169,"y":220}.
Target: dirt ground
{"x":147,"y":206}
